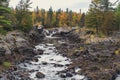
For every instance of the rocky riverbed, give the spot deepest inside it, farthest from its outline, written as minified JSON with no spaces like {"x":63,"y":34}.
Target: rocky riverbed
{"x":65,"y":56}
{"x":97,"y":60}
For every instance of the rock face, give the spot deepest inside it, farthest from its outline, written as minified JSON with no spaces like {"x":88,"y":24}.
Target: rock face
{"x":36,"y":36}
{"x":19,"y":42}
{"x":13,"y":41}
{"x":40,"y":75}
{"x":71,"y":35}
{"x":2,"y":51}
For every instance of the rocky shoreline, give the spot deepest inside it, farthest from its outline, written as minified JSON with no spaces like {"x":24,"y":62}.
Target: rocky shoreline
{"x":98,"y":61}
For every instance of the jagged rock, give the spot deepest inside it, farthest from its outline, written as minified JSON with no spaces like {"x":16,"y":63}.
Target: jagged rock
{"x":26,"y":51}
{"x":13,"y":41}
{"x":2,"y":51}
{"x":38,"y":52}
{"x":35,"y":59}
{"x":10,"y":77}
{"x":68,"y":74}
{"x":36,"y":36}
{"x":58,"y":65}
{"x":44,"y":63}
{"x":63,"y":75}
{"x":40,"y":75}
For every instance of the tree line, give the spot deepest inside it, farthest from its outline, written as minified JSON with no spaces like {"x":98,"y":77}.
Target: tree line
{"x":102,"y":16}
{"x":57,"y":18}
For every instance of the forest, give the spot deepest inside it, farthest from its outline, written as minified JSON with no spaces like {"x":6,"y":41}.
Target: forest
{"x":102,"y":16}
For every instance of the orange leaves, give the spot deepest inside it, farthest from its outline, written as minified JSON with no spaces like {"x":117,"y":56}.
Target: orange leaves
{"x":56,"y":18}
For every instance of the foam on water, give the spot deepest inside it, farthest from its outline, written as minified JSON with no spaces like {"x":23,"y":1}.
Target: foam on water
{"x":49,"y":69}
{"x":118,"y":77}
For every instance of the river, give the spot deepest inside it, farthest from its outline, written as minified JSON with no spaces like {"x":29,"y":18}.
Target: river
{"x":50,"y":63}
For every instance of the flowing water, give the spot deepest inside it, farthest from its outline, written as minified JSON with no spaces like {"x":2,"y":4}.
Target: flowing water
{"x":118,"y":77}
{"x":47,"y":64}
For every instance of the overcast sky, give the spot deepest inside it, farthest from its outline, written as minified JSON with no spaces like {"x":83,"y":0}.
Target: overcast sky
{"x":74,"y":5}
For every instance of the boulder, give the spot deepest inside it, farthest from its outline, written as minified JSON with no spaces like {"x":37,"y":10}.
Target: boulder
{"x":35,"y":59}
{"x":58,"y":65}
{"x":68,"y":74}
{"x":36,"y":36}
{"x":21,"y":42}
{"x":5,"y":48}
{"x":38,"y":51}
{"x":26,"y":51}
{"x":2,"y":51}
{"x":13,"y":41}
{"x":40,"y":75}
{"x":63,"y":75}
{"x":44,"y":63}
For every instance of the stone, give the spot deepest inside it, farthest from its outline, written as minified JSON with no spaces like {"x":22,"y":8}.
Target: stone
{"x":2,"y":51}
{"x":69,"y":74}
{"x":1,"y":76}
{"x":63,"y":75}
{"x":58,"y":65}
{"x":26,"y":51}
{"x":40,"y":75}
{"x":44,"y":63}
{"x":10,"y":77}
{"x":35,"y":36}
{"x":35,"y":59}
{"x":24,"y":75}
{"x":31,"y":71}
{"x":39,"y":52}
{"x":73,"y":79}
{"x":13,"y":68}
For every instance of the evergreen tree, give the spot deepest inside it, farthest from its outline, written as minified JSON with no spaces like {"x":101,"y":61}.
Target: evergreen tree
{"x":23,"y":15}
{"x":101,"y":16}
{"x":117,"y":17}
{"x":50,"y":17}
{"x":5,"y":23}
{"x":82,"y":20}
{"x":58,"y":23}
{"x":3,"y":10}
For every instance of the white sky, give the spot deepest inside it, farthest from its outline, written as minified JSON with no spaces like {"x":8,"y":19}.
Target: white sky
{"x":74,"y":5}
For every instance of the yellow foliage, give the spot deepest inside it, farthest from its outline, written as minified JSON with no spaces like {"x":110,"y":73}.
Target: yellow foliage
{"x":117,"y":52}
{"x":39,"y":23}
{"x":82,"y":48}
{"x":77,"y":30}
{"x":91,"y":36}
{"x":1,"y":26}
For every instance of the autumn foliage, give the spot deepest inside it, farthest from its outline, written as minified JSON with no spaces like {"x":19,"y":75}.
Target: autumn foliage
{"x":57,"y":18}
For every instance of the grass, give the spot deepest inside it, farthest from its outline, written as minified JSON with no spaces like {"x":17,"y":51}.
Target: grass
{"x":2,"y":31}
{"x":101,"y":35}
{"x":6,"y":64}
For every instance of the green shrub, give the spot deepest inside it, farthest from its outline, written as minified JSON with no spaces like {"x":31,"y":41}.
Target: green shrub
{"x":102,"y":35}
{"x":6,"y":64}
{"x":2,"y":31}
{"x":25,"y":28}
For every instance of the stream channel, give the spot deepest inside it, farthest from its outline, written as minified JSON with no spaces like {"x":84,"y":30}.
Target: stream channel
{"x":50,"y":63}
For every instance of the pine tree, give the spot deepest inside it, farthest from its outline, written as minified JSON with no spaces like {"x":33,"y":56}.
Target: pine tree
{"x":101,"y":16}
{"x":5,"y":23}
{"x":23,"y":15}
{"x":117,"y":17}
{"x":3,"y":10}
